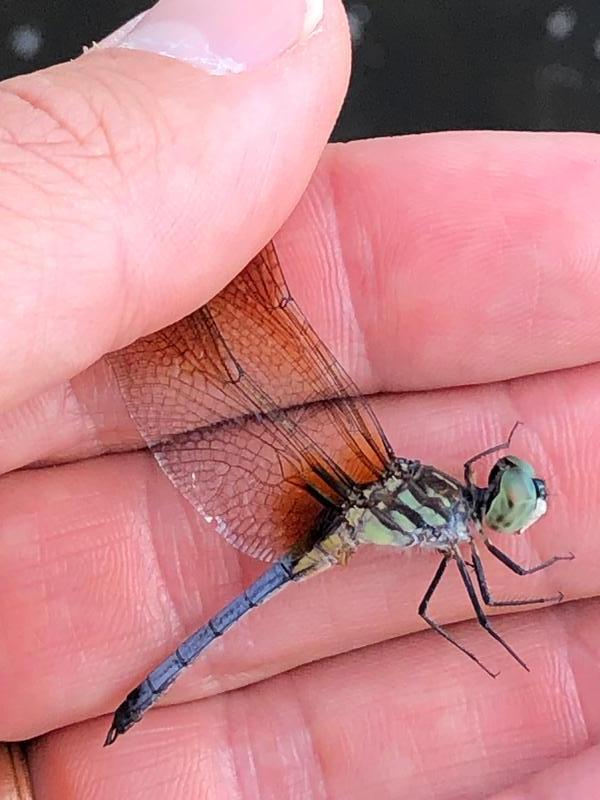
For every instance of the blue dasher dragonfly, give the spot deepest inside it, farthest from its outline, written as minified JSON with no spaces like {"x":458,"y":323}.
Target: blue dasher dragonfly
{"x":252,"y":418}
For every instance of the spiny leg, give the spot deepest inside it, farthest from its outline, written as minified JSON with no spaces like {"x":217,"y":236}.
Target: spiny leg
{"x":436,"y":626}
{"x":495,"y":449}
{"x":487,"y":596}
{"x":480,"y":613}
{"x":520,"y":570}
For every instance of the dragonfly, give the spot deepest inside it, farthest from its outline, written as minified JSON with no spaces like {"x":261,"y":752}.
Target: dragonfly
{"x":255,"y":422}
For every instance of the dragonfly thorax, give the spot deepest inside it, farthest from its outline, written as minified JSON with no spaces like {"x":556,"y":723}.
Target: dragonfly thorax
{"x":412,"y":505}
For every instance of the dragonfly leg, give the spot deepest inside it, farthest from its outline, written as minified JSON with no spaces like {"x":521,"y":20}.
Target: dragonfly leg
{"x":423,"y":608}
{"x":480,"y":613}
{"x":520,"y":570}
{"x":490,"y":450}
{"x":489,"y":600}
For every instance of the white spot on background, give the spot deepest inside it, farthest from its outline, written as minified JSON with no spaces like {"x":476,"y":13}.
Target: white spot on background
{"x":597,"y":46}
{"x":560,"y":75}
{"x":25,"y":41}
{"x":358,"y":16}
{"x":560,"y":23}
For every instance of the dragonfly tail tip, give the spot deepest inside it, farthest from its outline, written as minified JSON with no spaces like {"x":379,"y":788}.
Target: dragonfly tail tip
{"x":111,"y":736}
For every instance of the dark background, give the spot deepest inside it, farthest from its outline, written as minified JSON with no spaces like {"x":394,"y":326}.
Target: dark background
{"x":419,"y":65}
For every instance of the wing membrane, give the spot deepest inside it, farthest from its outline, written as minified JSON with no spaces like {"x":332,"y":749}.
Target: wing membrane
{"x":249,"y":414}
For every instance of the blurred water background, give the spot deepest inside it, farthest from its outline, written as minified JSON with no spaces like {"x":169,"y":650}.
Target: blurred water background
{"x":419,"y":65}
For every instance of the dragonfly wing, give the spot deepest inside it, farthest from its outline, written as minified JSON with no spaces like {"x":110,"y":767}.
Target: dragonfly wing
{"x":249,"y":415}
{"x":261,"y":323}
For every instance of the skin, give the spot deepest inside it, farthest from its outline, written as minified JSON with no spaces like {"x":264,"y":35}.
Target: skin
{"x":456,"y":276}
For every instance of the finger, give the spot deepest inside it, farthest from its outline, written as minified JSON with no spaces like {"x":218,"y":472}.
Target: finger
{"x":451,"y":258}
{"x":416,"y":260}
{"x":134,"y":185}
{"x":403,"y":714}
{"x":567,"y":779}
{"x":106,"y":558}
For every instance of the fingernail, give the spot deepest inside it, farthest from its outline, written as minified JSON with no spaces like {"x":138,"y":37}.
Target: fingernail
{"x":221,"y":36}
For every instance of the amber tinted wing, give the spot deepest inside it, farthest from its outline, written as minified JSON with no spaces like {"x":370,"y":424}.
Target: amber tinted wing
{"x":237,"y":402}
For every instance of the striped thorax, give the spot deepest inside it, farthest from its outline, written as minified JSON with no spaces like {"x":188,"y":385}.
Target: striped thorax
{"x":413,"y":505}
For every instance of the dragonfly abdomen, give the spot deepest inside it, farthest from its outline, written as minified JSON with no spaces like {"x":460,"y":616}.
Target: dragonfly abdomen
{"x":158,"y":681}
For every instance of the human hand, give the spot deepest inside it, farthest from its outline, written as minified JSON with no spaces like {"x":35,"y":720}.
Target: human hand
{"x":132,"y":185}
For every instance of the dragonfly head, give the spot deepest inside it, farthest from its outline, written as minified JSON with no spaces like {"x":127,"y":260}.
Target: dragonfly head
{"x":516,"y":497}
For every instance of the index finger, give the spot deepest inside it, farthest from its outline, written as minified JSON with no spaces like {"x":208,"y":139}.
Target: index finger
{"x":453,"y":258}
{"x":422,"y":261}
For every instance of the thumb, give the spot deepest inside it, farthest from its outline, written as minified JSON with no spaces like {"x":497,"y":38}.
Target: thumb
{"x":134,"y":185}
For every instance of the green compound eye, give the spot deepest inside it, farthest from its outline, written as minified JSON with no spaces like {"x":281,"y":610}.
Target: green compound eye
{"x":516,"y":497}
